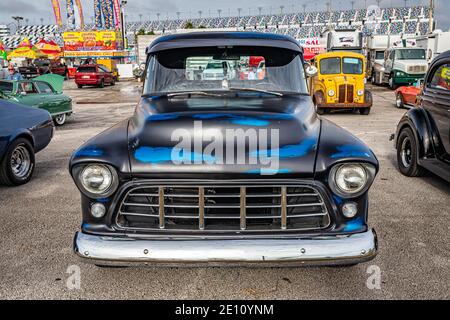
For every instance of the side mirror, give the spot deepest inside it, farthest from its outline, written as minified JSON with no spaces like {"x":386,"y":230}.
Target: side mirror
{"x":310,"y":70}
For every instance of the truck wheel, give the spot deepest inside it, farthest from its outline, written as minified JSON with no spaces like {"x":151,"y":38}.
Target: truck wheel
{"x":18,"y":165}
{"x":392,"y":85}
{"x":399,"y":102}
{"x":364,"y":111}
{"x":407,"y":158}
{"x":373,"y":78}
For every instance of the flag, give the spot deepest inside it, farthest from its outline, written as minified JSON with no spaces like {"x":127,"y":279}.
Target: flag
{"x":70,"y":14}
{"x":57,"y":12}
{"x":80,"y":13}
{"x":98,"y":14}
{"x":117,"y":17}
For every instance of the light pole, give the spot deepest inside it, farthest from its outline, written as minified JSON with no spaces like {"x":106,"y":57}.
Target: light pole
{"x":239,"y":12}
{"x":122,"y":20}
{"x":353,"y":4}
{"x":18,"y":19}
{"x":200,"y":14}
{"x":281,"y":9}
{"x":304,"y":7}
{"x":178,"y":15}
{"x":259,"y":10}
{"x":219,"y":11}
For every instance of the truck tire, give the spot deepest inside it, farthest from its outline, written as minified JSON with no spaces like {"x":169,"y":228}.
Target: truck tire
{"x":407,"y":158}
{"x":392,"y":84}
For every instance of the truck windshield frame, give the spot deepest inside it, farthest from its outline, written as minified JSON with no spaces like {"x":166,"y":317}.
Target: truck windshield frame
{"x":169,"y":71}
{"x":410,"y":54}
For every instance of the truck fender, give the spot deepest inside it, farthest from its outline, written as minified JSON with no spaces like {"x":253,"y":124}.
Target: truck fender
{"x":416,"y":120}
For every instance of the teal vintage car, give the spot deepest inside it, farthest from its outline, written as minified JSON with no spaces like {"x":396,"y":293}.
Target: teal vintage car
{"x":44,"y":92}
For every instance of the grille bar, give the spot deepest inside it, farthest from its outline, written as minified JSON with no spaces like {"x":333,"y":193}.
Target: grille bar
{"x":223,"y":208}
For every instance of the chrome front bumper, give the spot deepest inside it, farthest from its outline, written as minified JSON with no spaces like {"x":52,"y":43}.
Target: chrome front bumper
{"x":126,"y":251}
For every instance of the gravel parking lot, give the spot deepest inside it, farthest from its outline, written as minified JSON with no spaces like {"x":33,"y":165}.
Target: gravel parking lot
{"x":38,"y":221}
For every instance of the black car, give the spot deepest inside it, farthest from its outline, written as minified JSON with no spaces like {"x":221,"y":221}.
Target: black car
{"x":24,"y":131}
{"x":422,"y":139}
{"x":235,"y":171}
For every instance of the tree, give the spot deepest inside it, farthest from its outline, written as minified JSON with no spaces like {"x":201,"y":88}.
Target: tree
{"x":189,"y":25}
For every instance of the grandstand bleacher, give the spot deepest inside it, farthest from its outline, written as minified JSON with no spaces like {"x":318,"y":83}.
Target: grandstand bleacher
{"x":408,"y":20}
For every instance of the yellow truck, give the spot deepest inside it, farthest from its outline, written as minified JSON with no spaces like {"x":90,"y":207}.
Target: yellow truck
{"x":111,"y":65}
{"x":340,"y":82}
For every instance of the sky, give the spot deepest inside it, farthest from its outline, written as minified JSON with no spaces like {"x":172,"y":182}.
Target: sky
{"x":34,"y":10}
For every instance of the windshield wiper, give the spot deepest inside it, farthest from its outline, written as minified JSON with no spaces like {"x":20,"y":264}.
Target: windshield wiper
{"x":200,"y":93}
{"x":257,"y":90}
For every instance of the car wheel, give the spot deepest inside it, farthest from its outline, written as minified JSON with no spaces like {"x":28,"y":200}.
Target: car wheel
{"x":18,"y":165}
{"x":80,"y":86}
{"x":364,"y":111}
{"x":407,"y":159}
{"x":60,"y":119}
{"x":102,"y":83}
{"x":392,"y":85}
{"x":399,"y":102}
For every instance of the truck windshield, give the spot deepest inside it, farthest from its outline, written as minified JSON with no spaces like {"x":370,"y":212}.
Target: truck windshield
{"x":330,"y":66}
{"x":379,"y":55}
{"x":410,"y":54}
{"x":222,"y":69}
{"x":352,"y":66}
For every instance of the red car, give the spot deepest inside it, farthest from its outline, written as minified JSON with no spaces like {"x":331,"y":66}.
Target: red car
{"x":407,"y":96}
{"x":94,"y":75}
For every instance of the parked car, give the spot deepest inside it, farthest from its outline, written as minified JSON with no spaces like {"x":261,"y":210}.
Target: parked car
{"x":340,"y":82}
{"x":23,"y":132}
{"x":408,"y":96}
{"x":422,"y":139}
{"x":44,"y":92}
{"x":94,"y":75}
{"x":35,"y":68}
{"x":145,"y":199}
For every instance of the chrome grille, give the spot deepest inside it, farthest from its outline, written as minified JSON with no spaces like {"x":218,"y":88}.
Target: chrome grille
{"x":223,"y":208}
{"x":417,"y":69}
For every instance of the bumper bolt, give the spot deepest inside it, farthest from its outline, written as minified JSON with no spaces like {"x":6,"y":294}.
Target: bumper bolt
{"x":145,"y":251}
{"x":363,"y":251}
{"x":86,"y":253}
{"x":302,"y":250}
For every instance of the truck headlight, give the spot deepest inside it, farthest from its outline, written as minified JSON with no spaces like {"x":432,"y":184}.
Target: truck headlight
{"x":351,"y":180}
{"x":96,"y":180}
{"x":360,"y":92}
{"x":331,"y":93}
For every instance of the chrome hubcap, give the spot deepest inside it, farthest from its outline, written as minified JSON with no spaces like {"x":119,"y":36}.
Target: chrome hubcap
{"x":20,"y":161}
{"x":399,"y":102}
{"x":406,"y":153}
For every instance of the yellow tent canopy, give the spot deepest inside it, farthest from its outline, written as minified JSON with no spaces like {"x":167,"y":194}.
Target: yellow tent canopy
{"x":26,"y":50}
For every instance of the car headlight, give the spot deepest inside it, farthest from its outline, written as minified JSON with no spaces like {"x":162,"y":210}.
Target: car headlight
{"x":331,"y":93}
{"x":351,"y":180}
{"x":360,"y":92}
{"x":400,"y":74}
{"x":96,"y":180}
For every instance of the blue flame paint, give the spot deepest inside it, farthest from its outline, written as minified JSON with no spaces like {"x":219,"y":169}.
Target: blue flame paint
{"x":289,"y":151}
{"x":338,"y":199}
{"x":348,"y":151}
{"x":90,"y":151}
{"x":162,"y":117}
{"x":354,"y":225}
{"x":267,"y":171}
{"x":155,"y":155}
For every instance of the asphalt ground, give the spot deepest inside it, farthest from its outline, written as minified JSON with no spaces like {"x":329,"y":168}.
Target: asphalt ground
{"x":38,"y":221}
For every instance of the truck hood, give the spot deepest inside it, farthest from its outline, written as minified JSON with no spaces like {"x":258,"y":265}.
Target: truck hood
{"x":177,"y":137}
